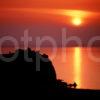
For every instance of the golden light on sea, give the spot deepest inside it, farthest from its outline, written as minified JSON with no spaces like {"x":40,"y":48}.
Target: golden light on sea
{"x":77,"y":66}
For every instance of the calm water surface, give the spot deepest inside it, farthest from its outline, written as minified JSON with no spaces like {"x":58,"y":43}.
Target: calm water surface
{"x":76,"y":65}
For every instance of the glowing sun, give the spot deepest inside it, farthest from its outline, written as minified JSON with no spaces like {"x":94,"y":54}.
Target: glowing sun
{"x":77,"y":21}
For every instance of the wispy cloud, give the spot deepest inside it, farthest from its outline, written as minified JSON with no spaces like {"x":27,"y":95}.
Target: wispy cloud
{"x":62,"y":12}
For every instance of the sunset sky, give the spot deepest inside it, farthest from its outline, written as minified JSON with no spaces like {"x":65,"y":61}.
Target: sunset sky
{"x":47,"y":18}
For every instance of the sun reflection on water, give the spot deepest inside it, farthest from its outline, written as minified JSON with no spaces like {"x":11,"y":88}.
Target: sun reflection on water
{"x":77,"y":66}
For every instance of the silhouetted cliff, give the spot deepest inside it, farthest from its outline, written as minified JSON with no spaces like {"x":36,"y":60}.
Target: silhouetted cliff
{"x":31,"y":70}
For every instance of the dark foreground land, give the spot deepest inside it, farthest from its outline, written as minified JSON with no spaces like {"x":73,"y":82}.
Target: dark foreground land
{"x":22,"y":76}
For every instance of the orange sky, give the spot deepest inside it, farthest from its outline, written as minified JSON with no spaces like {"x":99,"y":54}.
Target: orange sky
{"x":48,"y":5}
{"x":85,"y":5}
{"x":53,"y":14}
{"x":66,"y":4}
